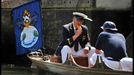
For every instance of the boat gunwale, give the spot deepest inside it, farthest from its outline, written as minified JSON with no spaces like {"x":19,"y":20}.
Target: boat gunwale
{"x":75,"y":68}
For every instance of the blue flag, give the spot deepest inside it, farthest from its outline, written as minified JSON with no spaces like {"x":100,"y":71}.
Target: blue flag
{"x":27,"y":22}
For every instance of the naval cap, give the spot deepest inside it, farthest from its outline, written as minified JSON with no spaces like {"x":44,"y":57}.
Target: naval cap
{"x":82,"y":15}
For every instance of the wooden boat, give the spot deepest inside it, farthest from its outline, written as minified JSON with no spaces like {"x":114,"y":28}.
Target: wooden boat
{"x":52,"y":64}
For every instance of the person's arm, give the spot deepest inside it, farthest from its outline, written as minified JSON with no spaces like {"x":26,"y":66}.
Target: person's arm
{"x":125,"y":49}
{"x":68,"y":40}
{"x":98,"y":51}
{"x":87,"y":42}
{"x":65,"y":36}
{"x":77,"y":34}
{"x":98,"y":44}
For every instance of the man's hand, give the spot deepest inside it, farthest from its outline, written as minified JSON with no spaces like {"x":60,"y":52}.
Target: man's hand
{"x":77,"y":34}
{"x":86,"y":50}
{"x":98,"y":51}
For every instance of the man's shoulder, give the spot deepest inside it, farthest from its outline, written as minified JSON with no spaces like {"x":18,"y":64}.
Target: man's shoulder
{"x":85,"y":27}
{"x":67,"y":25}
{"x":120,"y":35}
{"x":104,"y":34}
{"x":109,"y":33}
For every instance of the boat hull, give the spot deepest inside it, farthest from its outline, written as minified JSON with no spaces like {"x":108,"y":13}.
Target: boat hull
{"x":73,"y":70}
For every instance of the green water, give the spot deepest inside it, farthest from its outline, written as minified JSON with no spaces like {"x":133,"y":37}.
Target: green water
{"x":21,"y":70}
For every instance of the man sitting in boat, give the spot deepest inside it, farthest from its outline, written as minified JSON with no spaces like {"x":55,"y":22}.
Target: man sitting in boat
{"x":76,"y":38}
{"x":113,"y":45}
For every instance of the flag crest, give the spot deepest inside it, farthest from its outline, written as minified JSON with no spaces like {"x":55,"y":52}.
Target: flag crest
{"x":28,"y":27}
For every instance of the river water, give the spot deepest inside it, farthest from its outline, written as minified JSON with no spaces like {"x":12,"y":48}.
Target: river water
{"x":10,"y":69}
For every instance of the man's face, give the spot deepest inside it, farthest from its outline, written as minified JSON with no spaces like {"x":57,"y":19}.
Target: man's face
{"x":78,"y":22}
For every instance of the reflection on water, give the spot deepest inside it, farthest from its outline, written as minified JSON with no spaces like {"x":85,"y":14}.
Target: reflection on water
{"x":20,"y":70}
